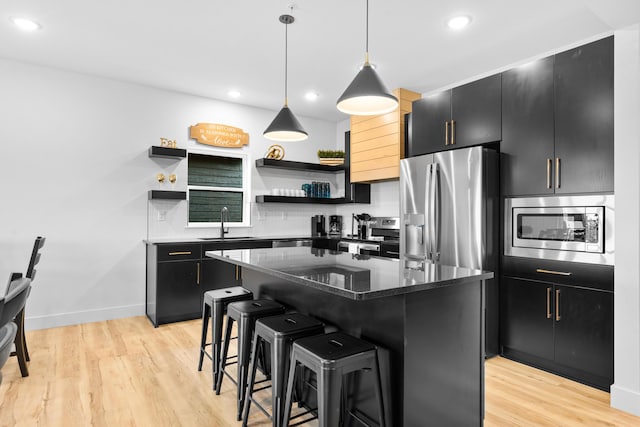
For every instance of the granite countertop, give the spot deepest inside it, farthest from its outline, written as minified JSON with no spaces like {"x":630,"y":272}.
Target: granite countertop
{"x":161,"y":240}
{"x":357,"y":277}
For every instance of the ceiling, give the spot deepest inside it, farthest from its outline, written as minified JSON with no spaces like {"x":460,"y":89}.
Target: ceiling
{"x":207,"y":48}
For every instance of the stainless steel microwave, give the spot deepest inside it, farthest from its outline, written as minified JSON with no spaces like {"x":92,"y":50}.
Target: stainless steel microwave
{"x":565,"y":228}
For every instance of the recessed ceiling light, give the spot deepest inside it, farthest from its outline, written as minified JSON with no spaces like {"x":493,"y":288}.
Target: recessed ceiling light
{"x":234,"y":94}
{"x":459,"y":22}
{"x":26,"y":24}
{"x":311,"y":96}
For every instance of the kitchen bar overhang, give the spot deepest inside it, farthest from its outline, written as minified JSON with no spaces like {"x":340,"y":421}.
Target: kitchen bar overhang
{"x":426,"y":319}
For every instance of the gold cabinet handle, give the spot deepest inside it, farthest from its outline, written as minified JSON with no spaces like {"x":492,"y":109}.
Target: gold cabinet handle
{"x":549,"y":161}
{"x":180,"y":253}
{"x":237,"y":273}
{"x":453,"y":132}
{"x":557,"y":273}
{"x":446,"y":133}
{"x":558,"y":305}
{"x":557,"y":172}
{"x":198,"y":274}
{"x":548,"y":303}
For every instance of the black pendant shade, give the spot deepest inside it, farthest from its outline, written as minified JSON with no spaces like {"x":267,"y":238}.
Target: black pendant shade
{"x":285,"y":127}
{"x":367,"y":95}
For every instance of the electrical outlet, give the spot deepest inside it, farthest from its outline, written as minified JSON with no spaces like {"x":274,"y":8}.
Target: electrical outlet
{"x":162,"y":215}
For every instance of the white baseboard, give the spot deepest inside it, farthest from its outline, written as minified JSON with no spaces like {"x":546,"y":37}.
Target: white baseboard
{"x":86,"y":316}
{"x":625,"y":399}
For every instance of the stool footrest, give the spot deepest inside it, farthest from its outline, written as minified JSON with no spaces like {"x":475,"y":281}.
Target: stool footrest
{"x":264,"y":411}
{"x":302,"y":415}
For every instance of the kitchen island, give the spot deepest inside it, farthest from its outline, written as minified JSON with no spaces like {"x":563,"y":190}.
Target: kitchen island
{"x":426,"y":319}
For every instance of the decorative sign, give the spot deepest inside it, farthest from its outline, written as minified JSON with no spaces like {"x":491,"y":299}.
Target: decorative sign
{"x":219,"y":135}
{"x":164,"y":142}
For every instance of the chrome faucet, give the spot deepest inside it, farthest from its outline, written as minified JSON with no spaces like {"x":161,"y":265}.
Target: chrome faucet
{"x":224,"y":212}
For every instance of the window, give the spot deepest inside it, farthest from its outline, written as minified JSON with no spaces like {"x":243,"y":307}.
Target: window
{"x":216,"y":181}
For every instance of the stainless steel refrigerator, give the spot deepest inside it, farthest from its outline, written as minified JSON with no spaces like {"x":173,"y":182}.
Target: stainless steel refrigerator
{"x":449,"y":214}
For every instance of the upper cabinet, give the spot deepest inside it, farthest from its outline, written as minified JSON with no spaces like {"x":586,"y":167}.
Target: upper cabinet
{"x":463,"y":116}
{"x":584,"y":118}
{"x":557,"y":123}
{"x":377,"y":142}
{"x":527,"y":129}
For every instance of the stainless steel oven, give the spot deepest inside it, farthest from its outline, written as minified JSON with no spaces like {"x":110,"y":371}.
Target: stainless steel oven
{"x":566,"y":228}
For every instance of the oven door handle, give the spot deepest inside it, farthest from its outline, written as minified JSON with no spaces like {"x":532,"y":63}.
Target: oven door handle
{"x":368,"y":247}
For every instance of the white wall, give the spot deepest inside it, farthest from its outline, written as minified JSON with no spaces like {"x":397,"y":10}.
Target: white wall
{"x":625,"y":392}
{"x":74,"y":158}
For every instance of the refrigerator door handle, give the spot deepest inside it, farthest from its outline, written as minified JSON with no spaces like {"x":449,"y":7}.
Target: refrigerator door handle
{"x":428,"y":212}
{"x":435,"y":212}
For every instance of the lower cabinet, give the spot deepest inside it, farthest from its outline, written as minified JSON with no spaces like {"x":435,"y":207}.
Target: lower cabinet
{"x":178,"y":291}
{"x":561,"y":328}
{"x":179,"y":274}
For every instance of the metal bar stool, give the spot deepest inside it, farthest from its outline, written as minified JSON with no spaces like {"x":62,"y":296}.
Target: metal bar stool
{"x":331,"y":356}
{"x":215,"y":306}
{"x":279,"y":332}
{"x":246,"y":313}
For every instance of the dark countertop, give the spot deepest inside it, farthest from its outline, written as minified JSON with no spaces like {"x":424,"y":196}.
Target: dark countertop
{"x":356,"y":277}
{"x":164,"y":240}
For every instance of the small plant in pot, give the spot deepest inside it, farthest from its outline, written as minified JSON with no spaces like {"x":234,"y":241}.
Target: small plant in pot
{"x":331,"y":157}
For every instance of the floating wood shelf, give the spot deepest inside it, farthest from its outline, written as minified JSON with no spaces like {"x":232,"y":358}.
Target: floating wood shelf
{"x":167,"y":153}
{"x":167,"y":195}
{"x":287,"y":164}
{"x":286,"y":199}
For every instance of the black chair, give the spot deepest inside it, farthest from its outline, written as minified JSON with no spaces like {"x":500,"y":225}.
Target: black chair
{"x":20,"y":341}
{"x":10,"y":306}
{"x":7,"y":334}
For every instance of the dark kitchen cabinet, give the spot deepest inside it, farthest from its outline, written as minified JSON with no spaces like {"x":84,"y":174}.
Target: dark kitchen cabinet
{"x":463,"y":116}
{"x":557,"y":123}
{"x":527,"y":147}
{"x":173,"y":288}
{"x":565,"y":329}
{"x":179,"y":291}
{"x":178,"y":275}
{"x":584,"y":330}
{"x":527,"y":322}
{"x":584,"y":118}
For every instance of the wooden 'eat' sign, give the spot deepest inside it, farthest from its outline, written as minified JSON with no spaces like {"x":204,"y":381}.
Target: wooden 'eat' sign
{"x":219,"y":135}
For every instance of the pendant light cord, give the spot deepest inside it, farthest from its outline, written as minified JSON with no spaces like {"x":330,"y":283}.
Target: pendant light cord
{"x":286,"y":39}
{"x":366,"y":49}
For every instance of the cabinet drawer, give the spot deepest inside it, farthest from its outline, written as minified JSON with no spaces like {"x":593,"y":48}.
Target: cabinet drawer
{"x":180,"y":251}
{"x":566,"y":273}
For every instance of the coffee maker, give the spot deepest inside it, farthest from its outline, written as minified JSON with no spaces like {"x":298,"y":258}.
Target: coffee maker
{"x":335,"y":225}
{"x":317,"y":226}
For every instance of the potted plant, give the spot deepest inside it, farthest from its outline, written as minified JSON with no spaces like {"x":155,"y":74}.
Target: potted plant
{"x":331,"y":157}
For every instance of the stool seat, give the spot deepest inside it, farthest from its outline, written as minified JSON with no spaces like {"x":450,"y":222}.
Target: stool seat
{"x":214,"y":306}
{"x":333,"y":356}
{"x":246,"y":313}
{"x":333,"y":347}
{"x":249,"y":309}
{"x":234,"y":293}
{"x":280,"y":332}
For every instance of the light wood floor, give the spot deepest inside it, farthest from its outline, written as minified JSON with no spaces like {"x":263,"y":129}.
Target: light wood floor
{"x":127,"y":373}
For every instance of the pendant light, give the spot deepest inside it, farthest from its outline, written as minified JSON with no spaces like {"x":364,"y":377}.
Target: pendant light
{"x":367,"y":95}
{"x":285,"y":127}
